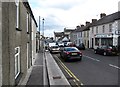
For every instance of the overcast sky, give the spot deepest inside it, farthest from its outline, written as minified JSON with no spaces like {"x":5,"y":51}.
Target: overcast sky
{"x":59,"y":14}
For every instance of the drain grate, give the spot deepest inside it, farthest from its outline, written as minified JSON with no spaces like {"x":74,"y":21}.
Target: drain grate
{"x":57,"y":77}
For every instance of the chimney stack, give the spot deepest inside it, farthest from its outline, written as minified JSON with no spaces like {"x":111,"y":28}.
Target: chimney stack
{"x":82,"y":25}
{"x":78,"y":27}
{"x":87,"y":23}
{"x":102,"y":15}
{"x":94,"y":20}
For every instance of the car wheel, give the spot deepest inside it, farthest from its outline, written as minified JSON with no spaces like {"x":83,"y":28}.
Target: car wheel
{"x":95,"y":52}
{"x":104,"y":53}
{"x":80,"y":59}
{"x":65,"y":59}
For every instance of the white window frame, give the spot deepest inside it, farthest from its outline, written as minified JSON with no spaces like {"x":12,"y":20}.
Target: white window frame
{"x":110,"y":27}
{"x":103,"y":28}
{"x":96,"y":29}
{"x":27,"y":55}
{"x":92,"y":30}
{"x":27,"y":22}
{"x":17,"y":19}
{"x":17,"y":61}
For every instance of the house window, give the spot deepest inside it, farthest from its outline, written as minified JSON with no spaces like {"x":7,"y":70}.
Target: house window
{"x":17,"y":61}
{"x":17,"y":14}
{"x":27,"y":22}
{"x":87,"y":33}
{"x":92,"y":29}
{"x":103,"y":29}
{"x":79,"y":41}
{"x":97,"y":41}
{"x":110,"y":27}
{"x":27,"y":55}
{"x":96,"y":29}
{"x":81,"y":34}
{"x":84,"y":34}
{"x":85,"y":42}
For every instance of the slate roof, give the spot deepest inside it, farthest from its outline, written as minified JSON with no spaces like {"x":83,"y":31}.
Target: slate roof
{"x":107,"y":19}
{"x":26,"y":3}
{"x":58,"y":34}
{"x":84,"y":28}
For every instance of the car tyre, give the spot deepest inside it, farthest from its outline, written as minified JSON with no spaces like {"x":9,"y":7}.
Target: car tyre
{"x":95,"y":52}
{"x":65,"y":59}
{"x":80,"y":59}
{"x":105,"y":53}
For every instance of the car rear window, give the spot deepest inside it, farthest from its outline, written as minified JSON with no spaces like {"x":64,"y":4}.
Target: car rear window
{"x":70,"y":49}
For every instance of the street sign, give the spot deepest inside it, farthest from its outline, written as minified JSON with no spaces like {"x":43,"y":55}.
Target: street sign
{"x":117,"y":32}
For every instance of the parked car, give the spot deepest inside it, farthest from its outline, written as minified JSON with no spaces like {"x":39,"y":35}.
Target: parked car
{"x":106,"y":50}
{"x":61,"y":44}
{"x":54,"y":49}
{"x":68,"y":53}
{"x":81,"y":46}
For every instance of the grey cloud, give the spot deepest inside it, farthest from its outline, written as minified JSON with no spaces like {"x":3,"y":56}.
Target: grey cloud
{"x":51,"y":23}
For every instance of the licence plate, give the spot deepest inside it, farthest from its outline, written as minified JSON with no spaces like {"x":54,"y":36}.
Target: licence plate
{"x":74,"y":53}
{"x":113,"y":52}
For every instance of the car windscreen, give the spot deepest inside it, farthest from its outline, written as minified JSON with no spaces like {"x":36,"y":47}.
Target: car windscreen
{"x":54,"y":46}
{"x":71,"y":49}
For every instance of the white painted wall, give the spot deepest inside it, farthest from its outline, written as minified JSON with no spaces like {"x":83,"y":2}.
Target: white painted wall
{"x":119,"y":6}
{"x":0,"y":43}
{"x":100,"y":31}
{"x":34,"y":31}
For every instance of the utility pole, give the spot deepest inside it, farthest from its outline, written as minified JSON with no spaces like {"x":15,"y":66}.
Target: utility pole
{"x":43,"y":33}
{"x":39,"y":34}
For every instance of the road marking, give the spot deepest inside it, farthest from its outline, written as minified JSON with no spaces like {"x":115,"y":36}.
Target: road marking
{"x":92,"y":58}
{"x":69,"y":72}
{"x":114,"y":66}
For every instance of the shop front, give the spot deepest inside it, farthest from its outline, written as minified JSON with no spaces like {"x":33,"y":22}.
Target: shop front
{"x":103,"y":39}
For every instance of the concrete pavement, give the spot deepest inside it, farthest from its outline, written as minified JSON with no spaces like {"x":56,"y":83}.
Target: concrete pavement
{"x":45,"y":71}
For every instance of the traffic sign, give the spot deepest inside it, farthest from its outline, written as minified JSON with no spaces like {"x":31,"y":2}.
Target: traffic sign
{"x":117,"y":32}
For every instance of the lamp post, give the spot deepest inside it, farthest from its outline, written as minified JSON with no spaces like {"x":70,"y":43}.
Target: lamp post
{"x":43,"y":38}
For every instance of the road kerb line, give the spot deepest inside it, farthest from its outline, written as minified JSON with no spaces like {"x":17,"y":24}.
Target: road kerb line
{"x":114,"y":66}
{"x":68,"y":71}
{"x":70,"y":75}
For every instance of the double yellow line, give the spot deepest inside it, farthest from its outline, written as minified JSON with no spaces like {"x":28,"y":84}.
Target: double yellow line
{"x":76,"y":80}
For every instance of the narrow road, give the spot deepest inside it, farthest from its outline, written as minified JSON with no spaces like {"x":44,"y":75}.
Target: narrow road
{"x":94,"y":69}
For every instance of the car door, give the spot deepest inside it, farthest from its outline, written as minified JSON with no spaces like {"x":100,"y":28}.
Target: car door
{"x":103,"y":49}
{"x":100,"y":50}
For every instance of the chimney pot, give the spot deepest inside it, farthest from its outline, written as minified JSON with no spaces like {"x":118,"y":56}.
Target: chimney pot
{"x":87,"y":22}
{"x":102,"y":15}
{"x":94,"y":20}
{"x":82,"y":25}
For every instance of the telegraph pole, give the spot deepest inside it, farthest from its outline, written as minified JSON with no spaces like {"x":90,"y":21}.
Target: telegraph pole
{"x":39,"y":34}
{"x":43,"y":33}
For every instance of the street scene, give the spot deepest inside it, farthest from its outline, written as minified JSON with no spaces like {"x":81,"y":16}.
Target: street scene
{"x":69,"y":43}
{"x":94,"y":69}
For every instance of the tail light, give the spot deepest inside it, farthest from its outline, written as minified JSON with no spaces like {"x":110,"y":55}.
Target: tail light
{"x":67,"y":53}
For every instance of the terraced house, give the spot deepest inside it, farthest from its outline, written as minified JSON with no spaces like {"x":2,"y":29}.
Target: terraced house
{"x":17,"y":34}
{"x":103,"y":31}
{"x":81,"y":35}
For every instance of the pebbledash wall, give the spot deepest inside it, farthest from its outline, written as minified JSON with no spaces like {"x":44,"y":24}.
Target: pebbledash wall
{"x":0,"y":44}
{"x":15,"y":41}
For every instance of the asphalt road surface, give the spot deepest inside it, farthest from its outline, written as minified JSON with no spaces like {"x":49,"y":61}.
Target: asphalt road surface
{"x":94,"y":69}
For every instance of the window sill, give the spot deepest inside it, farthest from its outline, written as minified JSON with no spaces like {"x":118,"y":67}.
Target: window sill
{"x":18,"y":29}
